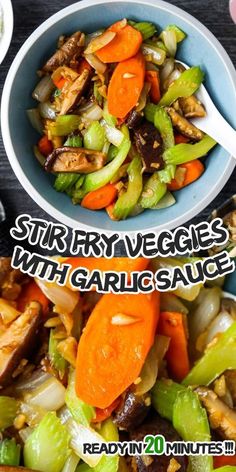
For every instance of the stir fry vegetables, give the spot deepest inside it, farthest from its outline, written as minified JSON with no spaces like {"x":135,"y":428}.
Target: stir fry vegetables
{"x":80,"y":368}
{"x":114,"y":111}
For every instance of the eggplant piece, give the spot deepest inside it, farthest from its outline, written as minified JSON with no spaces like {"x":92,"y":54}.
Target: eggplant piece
{"x":68,"y":52}
{"x":78,"y":160}
{"x":75,"y":92}
{"x":191,"y":107}
{"x":150,"y":146}
{"x":132,"y":411}
{"x":134,"y":119}
{"x":184,"y":126}
{"x":156,"y":425}
{"x":18,"y":341}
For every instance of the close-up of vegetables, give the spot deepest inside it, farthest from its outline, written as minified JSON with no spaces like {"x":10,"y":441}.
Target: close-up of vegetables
{"x":114,"y":110}
{"x":85,"y":367}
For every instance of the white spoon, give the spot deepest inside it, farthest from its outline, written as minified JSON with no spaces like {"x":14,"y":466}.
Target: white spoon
{"x":213,"y":123}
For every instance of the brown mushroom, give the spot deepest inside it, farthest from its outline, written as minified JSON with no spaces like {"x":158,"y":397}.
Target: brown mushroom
{"x":132,"y":411}
{"x":230,"y":380}
{"x":149,"y":144}
{"x":191,"y":107}
{"x":67,"y":52}
{"x":73,"y":159}
{"x":17,"y":341}
{"x":75,"y":91}
{"x":184,"y":126}
{"x":221,"y":416}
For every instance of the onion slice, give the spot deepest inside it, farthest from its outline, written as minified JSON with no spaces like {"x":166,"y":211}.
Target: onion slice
{"x":80,"y":435}
{"x":98,"y":65}
{"x":60,"y":296}
{"x":99,"y":42}
{"x":43,"y":89}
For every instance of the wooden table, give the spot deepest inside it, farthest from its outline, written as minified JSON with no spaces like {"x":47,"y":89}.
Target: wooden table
{"x":29,"y":14}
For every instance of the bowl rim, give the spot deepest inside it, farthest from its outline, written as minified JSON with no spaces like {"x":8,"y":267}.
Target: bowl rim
{"x":12,"y":157}
{"x":5,"y":41}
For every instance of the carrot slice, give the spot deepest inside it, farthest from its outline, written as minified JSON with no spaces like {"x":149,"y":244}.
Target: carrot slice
{"x":171,"y":324}
{"x":117,"y":264}
{"x":221,"y":461}
{"x":180,"y":139}
{"x":103,"y":414}
{"x":111,"y":355}
{"x":31,"y":292}
{"x":194,"y":170}
{"x":152,"y":77}
{"x":45,"y":146}
{"x":118,"y":25}
{"x":125,"y":86}
{"x":125,"y":44}
{"x":83,"y":64}
{"x":59,"y":83}
{"x":100,"y":198}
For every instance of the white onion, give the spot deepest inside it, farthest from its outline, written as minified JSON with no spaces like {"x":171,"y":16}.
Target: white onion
{"x":80,"y":435}
{"x":99,"y":42}
{"x":169,"y":39}
{"x":50,"y":395}
{"x":207,"y":308}
{"x":114,"y":135}
{"x":158,"y":55}
{"x":90,"y":36}
{"x":152,"y":363}
{"x":7,"y":312}
{"x":35,"y":119}
{"x":71,"y":463}
{"x":64,"y":414}
{"x":36,"y":379}
{"x":98,"y":65}
{"x":33,"y":414}
{"x":47,"y":110}
{"x":171,"y":78}
{"x":167,"y":68}
{"x":143,"y":97}
{"x":219,"y":325}
{"x":25,"y":433}
{"x":43,"y":89}
{"x":94,"y":112}
{"x":63,"y":297}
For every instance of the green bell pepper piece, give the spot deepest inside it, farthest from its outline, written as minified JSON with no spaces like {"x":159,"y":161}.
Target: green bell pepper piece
{"x":153,"y":191}
{"x":187,"y":84}
{"x":127,"y":201}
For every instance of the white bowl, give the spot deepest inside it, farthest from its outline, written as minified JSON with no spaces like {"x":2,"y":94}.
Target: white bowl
{"x":7,"y":28}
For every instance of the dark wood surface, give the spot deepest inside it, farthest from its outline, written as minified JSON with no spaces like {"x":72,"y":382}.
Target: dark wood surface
{"x":29,"y":14}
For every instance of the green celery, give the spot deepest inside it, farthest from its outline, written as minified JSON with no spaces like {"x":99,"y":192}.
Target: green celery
{"x":146,"y":29}
{"x":187,"y":84}
{"x":127,"y":201}
{"x":97,"y":95}
{"x":79,"y":182}
{"x":64,"y":125}
{"x":47,"y":448}
{"x":149,"y":111}
{"x":57,"y":361}
{"x":217,"y":358}
{"x":9,"y":452}
{"x":103,"y":176}
{"x":110,"y":433}
{"x":163,"y":123}
{"x":65,"y":181}
{"x":83,"y":468}
{"x":191,"y":422}
{"x":78,"y":195}
{"x":226,"y":468}
{"x":167,"y":174}
{"x":94,"y":137}
{"x":110,"y":119}
{"x":112,"y":153}
{"x":81,"y":412}
{"x":164,"y":395}
{"x":74,"y":140}
{"x":179,"y":34}
{"x":167,"y":201}
{"x":182,"y":153}
{"x":8,"y":409}
{"x":153,"y":191}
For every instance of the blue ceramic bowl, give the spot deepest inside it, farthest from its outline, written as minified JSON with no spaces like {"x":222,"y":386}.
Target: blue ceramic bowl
{"x":200,"y":48}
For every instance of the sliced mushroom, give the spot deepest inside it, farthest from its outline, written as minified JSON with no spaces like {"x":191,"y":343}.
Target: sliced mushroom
{"x":149,"y":144}
{"x":191,"y":107}
{"x":132,"y":411}
{"x":184,"y":126}
{"x":67,"y":52}
{"x":75,"y":91}
{"x":71,"y":159}
{"x":9,"y":280}
{"x":134,"y":119}
{"x":230,"y":379}
{"x":18,"y":340}
{"x":221,"y":417}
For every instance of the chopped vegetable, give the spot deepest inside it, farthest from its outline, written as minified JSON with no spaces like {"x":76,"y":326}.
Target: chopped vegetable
{"x":127,"y":201}
{"x":110,"y":433}
{"x":169,"y":39}
{"x":152,"y":78}
{"x":180,"y":139}
{"x":187,"y":84}
{"x":8,"y":408}
{"x":223,"y":462}
{"x":193,"y":170}
{"x":167,"y":174}
{"x":31,"y":292}
{"x":65,"y":181}
{"x":108,"y":363}
{"x":163,"y":123}
{"x":179,"y":34}
{"x":35,"y":119}
{"x":149,"y":112}
{"x":43,"y":89}
{"x":9,"y":452}
{"x":125,"y":45}
{"x":171,"y":324}
{"x":146,"y":29}
{"x":100,"y":198}
{"x":63,"y":125}
{"x":104,"y":413}
{"x":45,"y":146}
{"x":94,"y":137}
{"x":74,"y":140}
{"x":153,"y":191}
{"x":164,"y":394}
{"x":57,"y":361}
{"x":182,"y":153}
{"x":117,"y":264}
{"x":99,"y":42}
{"x":126,"y":85}
{"x":81,"y":412}
{"x":153,"y":53}
{"x":165,"y":202}
{"x":80,"y":435}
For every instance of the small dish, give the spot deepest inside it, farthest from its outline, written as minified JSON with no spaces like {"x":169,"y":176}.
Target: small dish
{"x":6,"y":27}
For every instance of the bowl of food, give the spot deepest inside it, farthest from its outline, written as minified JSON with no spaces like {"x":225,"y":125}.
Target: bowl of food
{"x":6,"y":27}
{"x":117,"y":150}
{"x":63,"y":386}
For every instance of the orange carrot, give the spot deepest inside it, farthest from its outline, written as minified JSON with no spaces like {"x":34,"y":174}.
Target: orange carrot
{"x":60,"y":82}
{"x":111,"y":354}
{"x":125,"y":44}
{"x":171,"y":324}
{"x":103,"y":414}
{"x":152,"y":77}
{"x":31,"y":292}
{"x":83,"y":64}
{"x":194,"y":170}
{"x":221,"y":461}
{"x":45,"y":146}
{"x":117,"y":264}
{"x":125,"y":86}
{"x":118,"y":26}
{"x":100,"y":198}
{"x":110,"y":211}
{"x":179,"y":139}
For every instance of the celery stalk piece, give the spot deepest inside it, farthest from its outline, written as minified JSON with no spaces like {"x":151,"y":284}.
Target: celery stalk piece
{"x":167,"y":201}
{"x":8,"y":409}
{"x":57,"y":361}
{"x":112,"y":153}
{"x":47,"y":448}
{"x":217,"y":358}
{"x":163,"y":123}
{"x":103,"y":176}
{"x":94,"y":137}
{"x":149,"y":112}
{"x":64,"y":181}
{"x":226,"y":468}
{"x":9,"y":452}
{"x":110,"y":119}
{"x":146,"y":29}
{"x":83,"y":468}
{"x":182,"y":153}
{"x":167,"y":174}
{"x":80,"y":411}
{"x":71,"y":463}
{"x":164,"y":395}
{"x":187,"y":84}
{"x":97,"y":94}
{"x":127,"y":201}
{"x":179,"y":34}
{"x":64,"y":125}
{"x":191,"y":422}
{"x":153,"y":191}
{"x":74,"y":141}
{"x":110,"y":433}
